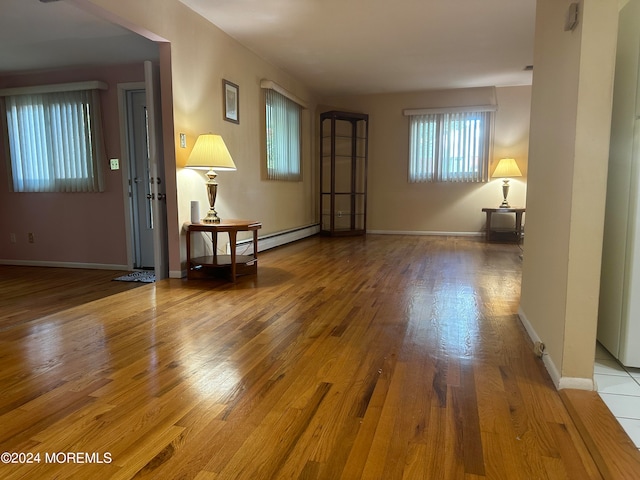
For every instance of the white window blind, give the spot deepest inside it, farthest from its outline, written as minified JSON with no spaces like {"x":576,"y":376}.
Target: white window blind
{"x":449,"y":146}
{"x":283,"y":123}
{"x":55,"y":141}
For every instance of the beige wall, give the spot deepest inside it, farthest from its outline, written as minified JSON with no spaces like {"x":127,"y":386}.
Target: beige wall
{"x":569,"y":143}
{"x":394,"y":204}
{"x":201,"y":57}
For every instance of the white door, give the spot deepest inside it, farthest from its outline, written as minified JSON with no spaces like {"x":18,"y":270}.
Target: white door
{"x":141,"y":205}
{"x":156,"y":167}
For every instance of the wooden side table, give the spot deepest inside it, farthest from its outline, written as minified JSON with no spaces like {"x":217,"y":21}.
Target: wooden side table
{"x":199,"y":267}
{"x":504,"y":234}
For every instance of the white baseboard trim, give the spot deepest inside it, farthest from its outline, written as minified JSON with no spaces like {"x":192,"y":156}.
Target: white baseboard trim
{"x":558,"y":380}
{"x":276,"y":239}
{"x":425,"y":233}
{"x":177,"y":273}
{"x":577,"y":383}
{"x":37,"y":263}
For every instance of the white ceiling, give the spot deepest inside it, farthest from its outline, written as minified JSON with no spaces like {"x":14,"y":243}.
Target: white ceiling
{"x":334,"y":46}
{"x":375,"y":46}
{"x":40,"y":36}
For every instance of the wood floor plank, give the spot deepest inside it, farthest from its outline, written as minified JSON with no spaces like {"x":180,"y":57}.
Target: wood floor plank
{"x":391,"y":357}
{"x":34,"y":292}
{"x":467,"y":413}
{"x":613,"y":451}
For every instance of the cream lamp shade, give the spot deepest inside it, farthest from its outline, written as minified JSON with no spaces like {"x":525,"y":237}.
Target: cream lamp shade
{"x":208,"y":153}
{"x":507,"y":168}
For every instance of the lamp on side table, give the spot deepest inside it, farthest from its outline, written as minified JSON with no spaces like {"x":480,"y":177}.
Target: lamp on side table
{"x":208,"y":153}
{"x":507,"y":168}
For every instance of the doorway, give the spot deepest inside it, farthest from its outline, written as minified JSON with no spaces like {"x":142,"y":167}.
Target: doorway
{"x":139,"y":183}
{"x":143,"y":174}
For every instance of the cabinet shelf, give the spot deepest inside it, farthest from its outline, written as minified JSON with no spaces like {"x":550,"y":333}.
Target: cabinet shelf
{"x":344,"y":193}
{"x":343,"y":173}
{"x":345,"y":136}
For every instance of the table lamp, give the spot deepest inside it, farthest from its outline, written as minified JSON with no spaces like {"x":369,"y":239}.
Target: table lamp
{"x":208,"y":153}
{"x":507,"y":168}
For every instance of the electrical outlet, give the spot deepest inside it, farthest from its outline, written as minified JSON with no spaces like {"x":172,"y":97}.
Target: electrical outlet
{"x":115,"y":164}
{"x":30,"y":237}
{"x":183,"y":140}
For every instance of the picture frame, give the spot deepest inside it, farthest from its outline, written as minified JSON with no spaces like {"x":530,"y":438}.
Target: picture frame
{"x":231,"y":101}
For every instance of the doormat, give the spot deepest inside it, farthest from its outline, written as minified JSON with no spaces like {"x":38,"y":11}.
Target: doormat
{"x":145,"y":277}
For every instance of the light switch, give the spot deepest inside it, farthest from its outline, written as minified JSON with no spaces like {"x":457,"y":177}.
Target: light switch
{"x":183,"y":140}
{"x":115,"y":164}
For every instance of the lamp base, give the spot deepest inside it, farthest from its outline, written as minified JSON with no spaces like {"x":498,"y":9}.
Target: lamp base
{"x":212,"y":192}
{"x":505,"y":192}
{"x":212,"y":217}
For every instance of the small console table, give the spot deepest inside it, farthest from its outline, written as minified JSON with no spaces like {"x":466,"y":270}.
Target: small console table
{"x":510,"y":234}
{"x":234,"y":264}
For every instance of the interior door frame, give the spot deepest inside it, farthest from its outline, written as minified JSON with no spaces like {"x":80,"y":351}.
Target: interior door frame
{"x":157,"y":170}
{"x":125,"y":162}
{"x":161,"y":259}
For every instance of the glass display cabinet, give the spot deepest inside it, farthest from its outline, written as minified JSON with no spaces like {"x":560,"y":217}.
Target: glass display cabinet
{"x":343,"y":173}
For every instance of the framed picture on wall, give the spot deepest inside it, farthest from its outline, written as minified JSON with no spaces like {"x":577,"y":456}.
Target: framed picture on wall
{"x":231,"y":98}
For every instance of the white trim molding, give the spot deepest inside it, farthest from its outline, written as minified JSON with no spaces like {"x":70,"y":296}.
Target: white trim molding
{"x":469,"y":109}
{"x":59,"y":87}
{"x":36,"y":263}
{"x":177,"y":273}
{"x":559,"y":381}
{"x":271,"y":85}
{"x":426,"y":233}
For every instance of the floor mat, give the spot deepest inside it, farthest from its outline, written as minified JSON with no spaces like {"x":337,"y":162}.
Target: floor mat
{"x":145,"y":277}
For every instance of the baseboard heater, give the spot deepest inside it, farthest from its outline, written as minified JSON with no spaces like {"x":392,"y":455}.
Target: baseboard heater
{"x":245,"y":246}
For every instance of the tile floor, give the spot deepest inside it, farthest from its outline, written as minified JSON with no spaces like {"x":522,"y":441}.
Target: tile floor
{"x":619,"y":388}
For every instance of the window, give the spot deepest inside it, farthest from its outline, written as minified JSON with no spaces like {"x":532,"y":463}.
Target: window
{"x":449,"y":146}
{"x":55,"y":141}
{"x":283,"y":119}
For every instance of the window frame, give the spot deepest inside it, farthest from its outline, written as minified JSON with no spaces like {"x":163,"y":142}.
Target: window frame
{"x":434,"y":161}
{"x":288,"y":168}
{"x":45,"y":127}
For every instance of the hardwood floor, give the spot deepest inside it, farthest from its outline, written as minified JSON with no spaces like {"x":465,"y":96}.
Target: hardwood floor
{"x":29,"y":293}
{"x":378,"y":357}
